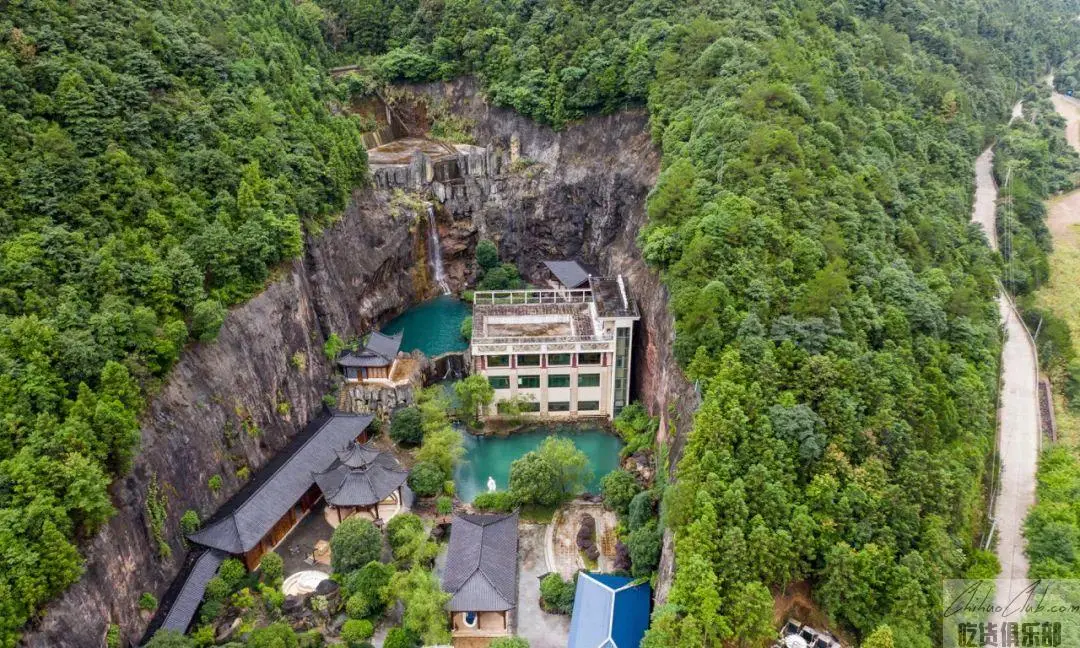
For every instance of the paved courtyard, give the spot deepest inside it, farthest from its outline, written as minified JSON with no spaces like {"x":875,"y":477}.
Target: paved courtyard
{"x":297,"y":547}
{"x":543,"y":630}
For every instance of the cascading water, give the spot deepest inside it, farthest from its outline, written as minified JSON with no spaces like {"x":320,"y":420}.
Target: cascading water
{"x":436,"y":251}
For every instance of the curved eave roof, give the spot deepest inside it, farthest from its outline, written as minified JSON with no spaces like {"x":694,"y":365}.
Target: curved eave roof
{"x":247,"y":516}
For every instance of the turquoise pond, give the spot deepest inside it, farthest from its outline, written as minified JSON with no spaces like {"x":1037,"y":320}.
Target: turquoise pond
{"x":491,"y":456}
{"x":433,"y":326}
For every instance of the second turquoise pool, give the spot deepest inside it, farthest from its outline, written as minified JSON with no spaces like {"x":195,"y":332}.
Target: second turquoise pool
{"x":490,"y":456}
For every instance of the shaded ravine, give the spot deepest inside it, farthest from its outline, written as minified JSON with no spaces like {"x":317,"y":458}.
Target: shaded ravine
{"x":1018,"y":412}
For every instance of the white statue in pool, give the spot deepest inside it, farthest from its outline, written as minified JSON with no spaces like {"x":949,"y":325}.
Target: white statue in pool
{"x":491,"y":484}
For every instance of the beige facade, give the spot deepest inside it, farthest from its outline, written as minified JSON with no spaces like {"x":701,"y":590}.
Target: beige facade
{"x":560,"y":354}
{"x":483,"y":624}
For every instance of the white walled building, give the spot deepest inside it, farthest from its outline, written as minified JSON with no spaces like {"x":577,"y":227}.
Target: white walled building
{"x":565,"y":352}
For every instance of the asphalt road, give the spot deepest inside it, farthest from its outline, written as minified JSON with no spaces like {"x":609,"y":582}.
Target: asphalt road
{"x":1018,"y":447}
{"x":1018,"y":424}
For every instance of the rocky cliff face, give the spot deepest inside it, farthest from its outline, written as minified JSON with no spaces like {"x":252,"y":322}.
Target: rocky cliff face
{"x":574,"y":194}
{"x":230,"y":404}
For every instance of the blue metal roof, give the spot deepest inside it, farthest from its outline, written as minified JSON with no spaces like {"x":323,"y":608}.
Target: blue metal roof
{"x":609,"y":612}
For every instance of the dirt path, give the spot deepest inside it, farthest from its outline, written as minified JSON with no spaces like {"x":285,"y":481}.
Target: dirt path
{"x":1069,"y":108}
{"x":1018,"y":427}
{"x":1063,"y":212}
{"x":1017,"y":111}
{"x":985,"y":196}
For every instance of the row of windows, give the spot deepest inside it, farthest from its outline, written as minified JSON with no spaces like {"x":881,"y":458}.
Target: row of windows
{"x":553,"y":406}
{"x":554,"y":380}
{"x":553,"y":360}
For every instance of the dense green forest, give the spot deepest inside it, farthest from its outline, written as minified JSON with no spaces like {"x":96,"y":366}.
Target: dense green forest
{"x":156,"y":161}
{"x":1032,"y":161}
{"x":811,"y":221}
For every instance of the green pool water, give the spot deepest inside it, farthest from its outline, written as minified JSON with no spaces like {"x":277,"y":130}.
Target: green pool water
{"x":433,"y":326}
{"x":491,"y":456}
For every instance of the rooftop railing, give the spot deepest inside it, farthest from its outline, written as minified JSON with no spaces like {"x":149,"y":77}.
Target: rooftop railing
{"x":530,"y":296}
{"x":550,"y":339}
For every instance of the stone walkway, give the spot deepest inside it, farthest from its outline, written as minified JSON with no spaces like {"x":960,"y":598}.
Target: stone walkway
{"x":297,"y":547}
{"x":541,"y":629}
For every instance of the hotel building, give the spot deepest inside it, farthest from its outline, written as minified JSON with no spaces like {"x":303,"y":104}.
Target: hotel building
{"x":557,"y":353}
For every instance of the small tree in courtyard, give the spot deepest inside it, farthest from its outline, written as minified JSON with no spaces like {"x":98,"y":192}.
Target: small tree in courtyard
{"x":355,"y":543}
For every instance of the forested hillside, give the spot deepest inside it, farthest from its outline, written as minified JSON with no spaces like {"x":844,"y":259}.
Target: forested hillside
{"x":811,"y":221}
{"x":156,"y":161}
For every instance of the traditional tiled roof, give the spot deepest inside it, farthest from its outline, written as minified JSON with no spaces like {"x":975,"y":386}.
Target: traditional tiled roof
{"x":481,"y":563}
{"x":379,"y":351}
{"x":356,"y":455}
{"x":569,"y":273}
{"x":366,"y":485}
{"x":183,"y":597}
{"x":241,"y":522}
{"x":609,"y":612}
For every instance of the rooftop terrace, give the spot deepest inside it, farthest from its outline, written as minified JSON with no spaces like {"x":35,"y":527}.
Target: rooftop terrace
{"x":550,"y":316}
{"x":549,"y":322}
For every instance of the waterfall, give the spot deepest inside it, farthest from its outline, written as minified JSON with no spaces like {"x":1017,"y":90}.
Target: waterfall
{"x":436,"y":251}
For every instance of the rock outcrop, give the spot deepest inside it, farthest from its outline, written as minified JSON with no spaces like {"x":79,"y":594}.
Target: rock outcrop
{"x":228,"y":405}
{"x":572,"y":194}
{"x":575,"y":194}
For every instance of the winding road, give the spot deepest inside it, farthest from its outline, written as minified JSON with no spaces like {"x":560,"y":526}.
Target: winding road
{"x":1063,"y":212}
{"x":1018,"y":434}
{"x":1019,"y":431}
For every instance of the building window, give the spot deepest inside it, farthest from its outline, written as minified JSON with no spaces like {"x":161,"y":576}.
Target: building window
{"x":559,"y":406}
{"x":622,"y":376}
{"x":528,"y":382}
{"x":588,"y":406}
{"x":588,"y":380}
{"x":530,"y":406}
{"x":498,"y":361}
{"x":558,"y":359}
{"x":588,"y":358}
{"x":559,"y":380}
{"x":531,"y":360}
{"x":470,"y":619}
{"x":499,"y":382}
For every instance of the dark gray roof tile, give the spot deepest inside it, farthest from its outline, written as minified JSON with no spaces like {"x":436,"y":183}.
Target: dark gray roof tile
{"x":182,"y":600}
{"x":569,"y":273}
{"x":481,"y":564}
{"x":364,"y":486}
{"x":241,"y":522}
{"x":379,"y":351}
